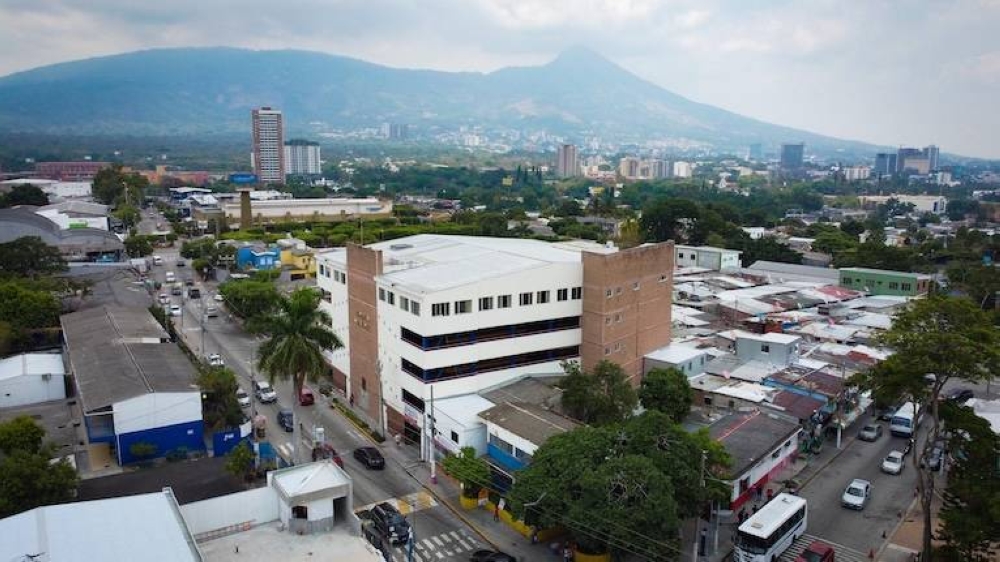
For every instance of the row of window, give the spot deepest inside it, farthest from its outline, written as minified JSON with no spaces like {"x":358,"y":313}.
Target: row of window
{"x":893,"y":285}
{"x":617,"y":291}
{"x":490,"y":365}
{"x":338,"y":276}
{"x":504,"y":301}
{"x":470,"y":337}
{"x":411,"y":306}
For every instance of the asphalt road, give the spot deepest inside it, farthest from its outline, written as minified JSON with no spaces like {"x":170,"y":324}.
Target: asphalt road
{"x":891,"y":494}
{"x":440,"y":535}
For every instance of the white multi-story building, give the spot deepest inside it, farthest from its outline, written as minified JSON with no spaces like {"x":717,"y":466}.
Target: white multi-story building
{"x":302,"y":158}
{"x":683,"y":169}
{"x":432,"y":316}
{"x":268,"y":156}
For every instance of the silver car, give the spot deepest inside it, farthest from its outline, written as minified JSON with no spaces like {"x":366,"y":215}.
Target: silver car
{"x":856,"y":495}
{"x":893,"y":463}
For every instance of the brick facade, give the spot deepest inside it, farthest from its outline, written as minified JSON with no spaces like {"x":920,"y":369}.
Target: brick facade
{"x":626,"y":306}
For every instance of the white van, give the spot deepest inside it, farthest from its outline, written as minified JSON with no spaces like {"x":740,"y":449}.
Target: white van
{"x":157,"y":260}
{"x":906,"y":419}
{"x":171,"y":277}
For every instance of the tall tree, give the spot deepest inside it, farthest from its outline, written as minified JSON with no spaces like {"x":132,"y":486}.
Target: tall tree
{"x":949,"y":338}
{"x":297,"y":337}
{"x":112,"y":185}
{"x":248,"y":298}
{"x":220,"y":407}
{"x":665,"y":219}
{"x":601,"y":397}
{"x":667,"y":391}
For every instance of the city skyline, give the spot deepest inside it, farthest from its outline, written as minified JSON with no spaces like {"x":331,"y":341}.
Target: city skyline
{"x":929,"y":78}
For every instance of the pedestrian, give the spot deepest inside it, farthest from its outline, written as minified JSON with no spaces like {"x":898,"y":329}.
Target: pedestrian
{"x":398,"y":439}
{"x":352,"y":400}
{"x":534,"y":535}
{"x":567,"y":553}
{"x":770,"y":494}
{"x":496,"y":512}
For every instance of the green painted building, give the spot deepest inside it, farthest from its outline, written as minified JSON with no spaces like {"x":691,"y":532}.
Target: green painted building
{"x":885,"y":282}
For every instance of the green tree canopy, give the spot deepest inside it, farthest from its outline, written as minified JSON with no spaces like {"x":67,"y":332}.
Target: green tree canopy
{"x":601,"y":397}
{"x":667,"y":391}
{"x":219,"y":405}
{"x":29,"y":256}
{"x":28,"y":478}
{"x":138,"y":246}
{"x":471,"y":470}
{"x":623,"y":487}
{"x":248,"y":298}
{"x":112,"y":185}
{"x":664,"y":219}
{"x":240,"y":461}
{"x":24,"y":194}
{"x":28,"y":309}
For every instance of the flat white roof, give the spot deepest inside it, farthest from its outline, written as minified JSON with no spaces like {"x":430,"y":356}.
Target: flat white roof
{"x":32,"y":364}
{"x":464,"y":409}
{"x":675,"y":353}
{"x":708,"y":249}
{"x":771,"y":337}
{"x":268,"y":542}
{"x":147,"y":526}
{"x":751,"y":392}
{"x":427,"y":263}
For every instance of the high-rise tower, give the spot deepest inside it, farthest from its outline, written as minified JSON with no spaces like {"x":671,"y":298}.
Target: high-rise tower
{"x":268,"y":157}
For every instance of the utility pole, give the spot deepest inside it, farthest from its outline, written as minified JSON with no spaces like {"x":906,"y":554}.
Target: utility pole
{"x":697,"y":518}
{"x":433,"y":456}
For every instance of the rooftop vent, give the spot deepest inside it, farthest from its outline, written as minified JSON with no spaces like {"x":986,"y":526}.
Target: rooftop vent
{"x":398,"y":247}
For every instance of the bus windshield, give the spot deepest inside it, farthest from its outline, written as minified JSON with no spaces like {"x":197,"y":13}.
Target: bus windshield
{"x":749,"y":543}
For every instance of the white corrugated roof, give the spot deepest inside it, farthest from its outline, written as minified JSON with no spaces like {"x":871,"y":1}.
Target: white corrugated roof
{"x":144,"y":526}
{"x":464,"y":409}
{"x":749,"y":391}
{"x":32,"y":364}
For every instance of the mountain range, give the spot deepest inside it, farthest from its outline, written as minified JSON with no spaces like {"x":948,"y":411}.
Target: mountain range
{"x":211,"y":90}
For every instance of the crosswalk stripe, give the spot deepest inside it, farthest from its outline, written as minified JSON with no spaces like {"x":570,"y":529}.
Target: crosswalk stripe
{"x":438,"y":540}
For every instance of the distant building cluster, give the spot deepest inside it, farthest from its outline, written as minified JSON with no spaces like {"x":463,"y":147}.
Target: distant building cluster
{"x":633,"y":168}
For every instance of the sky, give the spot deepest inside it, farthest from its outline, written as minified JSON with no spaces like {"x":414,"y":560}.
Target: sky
{"x":892,"y":72}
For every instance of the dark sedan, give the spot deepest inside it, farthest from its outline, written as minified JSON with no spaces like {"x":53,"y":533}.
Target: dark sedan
{"x":370,"y":457}
{"x":491,"y":556}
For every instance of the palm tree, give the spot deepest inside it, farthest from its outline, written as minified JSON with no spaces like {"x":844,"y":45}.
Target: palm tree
{"x":297,"y":336}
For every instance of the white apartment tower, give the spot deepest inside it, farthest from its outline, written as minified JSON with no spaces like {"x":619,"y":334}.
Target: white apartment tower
{"x":268,"y":156}
{"x":302,"y":158}
{"x":440,"y":316}
{"x":567,"y":163}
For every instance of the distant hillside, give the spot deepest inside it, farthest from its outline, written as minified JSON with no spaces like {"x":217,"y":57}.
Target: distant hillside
{"x":192,"y":91}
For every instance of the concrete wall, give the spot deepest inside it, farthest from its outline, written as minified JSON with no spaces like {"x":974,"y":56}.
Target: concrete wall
{"x":335,"y":303}
{"x":255,"y":506}
{"x":764,"y":470}
{"x":31,"y":389}
{"x":776,"y":353}
{"x":626,"y":305}
{"x":363,"y":265}
{"x":155,"y":410}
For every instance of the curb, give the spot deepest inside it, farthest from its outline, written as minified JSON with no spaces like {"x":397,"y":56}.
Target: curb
{"x":888,"y":540}
{"x":361,"y":430}
{"x":460,"y":515}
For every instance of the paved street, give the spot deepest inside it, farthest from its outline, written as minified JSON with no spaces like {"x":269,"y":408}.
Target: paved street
{"x":440,"y":535}
{"x":891,"y":495}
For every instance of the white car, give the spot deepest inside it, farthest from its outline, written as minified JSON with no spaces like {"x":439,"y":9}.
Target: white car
{"x":157,"y":260}
{"x":218,"y":297}
{"x":175,"y":310}
{"x":893,"y":463}
{"x":216,"y":360}
{"x":164,"y":298}
{"x":856,"y":495}
{"x":242,"y":398}
{"x":265,"y":393}
{"x":211,"y":311}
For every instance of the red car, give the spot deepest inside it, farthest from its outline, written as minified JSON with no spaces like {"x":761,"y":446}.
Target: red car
{"x":818,"y":551}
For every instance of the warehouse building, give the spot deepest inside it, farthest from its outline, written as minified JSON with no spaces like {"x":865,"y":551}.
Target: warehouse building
{"x":135,"y":386}
{"x":31,"y":378}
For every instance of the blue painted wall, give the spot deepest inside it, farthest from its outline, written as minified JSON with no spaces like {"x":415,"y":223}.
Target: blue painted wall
{"x":248,"y":257}
{"x":100,"y":429}
{"x":507,"y":462}
{"x":188,"y":435}
{"x":225,"y":441}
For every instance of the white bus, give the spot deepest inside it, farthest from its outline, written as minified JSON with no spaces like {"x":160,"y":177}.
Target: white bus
{"x":905,"y":420}
{"x":770,"y":531}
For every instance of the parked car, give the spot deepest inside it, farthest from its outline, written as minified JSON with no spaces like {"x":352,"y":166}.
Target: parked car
{"x":960,"y":395}
{"x":242,"y":398}
{"x":856,"y":495}
{"x":370,"y":457}
{"x":170,"y":277}
{"x":194,"y":293}
{"x":933,"y":458}
{"x":286,"y":419}
{"x":893,"y":463}
{"x":218,"y":297}
{"x":391,"y":523}
{"x":157,"y":260}
{"x":164,"y":298}
{"x":181,"y":263}
{"x":870,"y":432}
{"x":211,"y":311}
{"x":215,"y":360}
{"x":306,"y":396}
{"x":325,"y":451}
{"x":817,"y":551}
{"x":265,"y":393}
{"x":491,"y":556}
{"x":175,"y":310}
